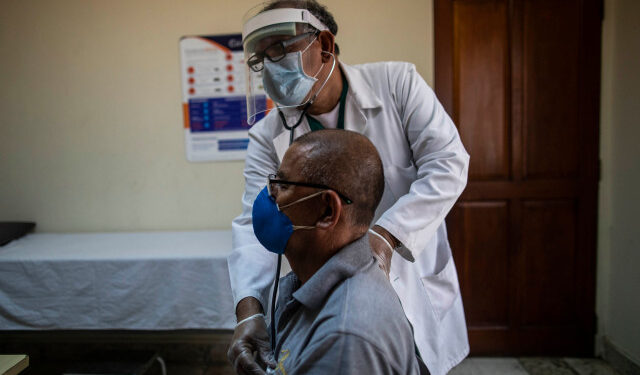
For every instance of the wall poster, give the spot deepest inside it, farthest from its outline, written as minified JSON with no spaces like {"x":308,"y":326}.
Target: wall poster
{"x":213,"y":97}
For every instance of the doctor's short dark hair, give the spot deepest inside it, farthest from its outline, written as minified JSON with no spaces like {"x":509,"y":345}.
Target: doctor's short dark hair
{"x":349,"y":163}
{"x":318,"y":10}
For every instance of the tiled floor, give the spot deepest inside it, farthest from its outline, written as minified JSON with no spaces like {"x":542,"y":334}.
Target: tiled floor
{"x":533,"y":366}
{"x":204,"y":353}
{"x":470,"y":366}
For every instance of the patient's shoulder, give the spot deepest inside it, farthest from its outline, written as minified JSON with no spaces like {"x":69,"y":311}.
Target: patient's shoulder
{"x":366,"y":304}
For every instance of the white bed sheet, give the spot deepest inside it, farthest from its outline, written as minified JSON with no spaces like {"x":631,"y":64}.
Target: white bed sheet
{"x":139,"y":281}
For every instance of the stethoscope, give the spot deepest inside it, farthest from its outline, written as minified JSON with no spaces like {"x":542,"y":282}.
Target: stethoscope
{"x":291,"y":129}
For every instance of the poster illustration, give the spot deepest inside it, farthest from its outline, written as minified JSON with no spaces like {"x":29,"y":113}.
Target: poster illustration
{"x":213,"y":98}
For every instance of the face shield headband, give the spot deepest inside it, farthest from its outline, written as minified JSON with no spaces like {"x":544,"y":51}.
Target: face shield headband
{"x":264,"y":22}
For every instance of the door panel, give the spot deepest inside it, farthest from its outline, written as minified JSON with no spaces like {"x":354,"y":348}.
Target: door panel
{"x":480,"y":37}
{"x":548,"y":248}
{"x":521,"y":80}
{"x":482,"y":260}
{"x":550,"y":67}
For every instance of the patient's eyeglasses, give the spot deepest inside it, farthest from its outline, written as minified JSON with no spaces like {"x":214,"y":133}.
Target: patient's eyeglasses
{"x":274,"y":183}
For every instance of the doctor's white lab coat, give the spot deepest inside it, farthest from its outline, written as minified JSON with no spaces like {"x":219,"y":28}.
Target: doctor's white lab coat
{"x":425,"y":167}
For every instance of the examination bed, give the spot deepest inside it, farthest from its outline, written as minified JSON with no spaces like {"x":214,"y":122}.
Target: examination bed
{"x":116,"y":281}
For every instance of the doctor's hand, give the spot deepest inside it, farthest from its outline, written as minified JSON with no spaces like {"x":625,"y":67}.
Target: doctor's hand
{"x":380,"y":249}
{"x":250,"y":349}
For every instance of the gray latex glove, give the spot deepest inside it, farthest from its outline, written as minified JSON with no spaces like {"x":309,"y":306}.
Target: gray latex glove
{"x":381,"y":250}
{"x":250,"y":349}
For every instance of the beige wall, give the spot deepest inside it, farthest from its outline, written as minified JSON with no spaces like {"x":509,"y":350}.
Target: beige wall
{"x":90,"y":132}
{"x":618,"y":289}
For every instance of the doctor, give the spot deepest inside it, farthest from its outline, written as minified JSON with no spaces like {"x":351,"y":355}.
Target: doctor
{"x":291,"y":53}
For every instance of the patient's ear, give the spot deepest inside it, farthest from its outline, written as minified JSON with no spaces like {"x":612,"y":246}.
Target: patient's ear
{"x":332,"y":211}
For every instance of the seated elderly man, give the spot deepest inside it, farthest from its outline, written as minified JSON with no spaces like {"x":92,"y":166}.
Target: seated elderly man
{"x":337,"y":312}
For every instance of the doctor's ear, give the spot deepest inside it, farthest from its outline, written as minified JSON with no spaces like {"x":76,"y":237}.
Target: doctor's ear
{"x":327,"y":43}
{"x":332,"y":211}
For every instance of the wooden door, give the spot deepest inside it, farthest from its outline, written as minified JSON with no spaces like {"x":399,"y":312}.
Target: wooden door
{"x":521,"y":79}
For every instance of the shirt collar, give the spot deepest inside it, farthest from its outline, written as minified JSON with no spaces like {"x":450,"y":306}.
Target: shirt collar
{"x":360,"y":89}
{"x":344,"y":264}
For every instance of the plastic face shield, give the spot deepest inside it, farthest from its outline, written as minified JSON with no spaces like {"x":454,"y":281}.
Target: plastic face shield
{"x":260,"y":29}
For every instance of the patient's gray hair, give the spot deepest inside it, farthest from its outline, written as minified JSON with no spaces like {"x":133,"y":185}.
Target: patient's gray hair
{"x":349,"y":163}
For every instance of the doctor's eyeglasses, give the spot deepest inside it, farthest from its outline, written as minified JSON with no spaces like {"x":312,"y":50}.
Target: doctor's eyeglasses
{"x":275,"y":52}
{"x":274,"y":183}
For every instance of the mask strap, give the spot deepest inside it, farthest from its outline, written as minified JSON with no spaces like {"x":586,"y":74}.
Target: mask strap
{"x":301,"y":200}
{"x":302,"y":63}
{"x":333,"y":66}
{"x":309,"y":45}
{"x":319,"y":70}
{"x":296,"y":227}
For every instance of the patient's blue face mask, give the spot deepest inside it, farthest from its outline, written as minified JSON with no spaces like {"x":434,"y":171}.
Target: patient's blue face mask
{"x":272,"y":227}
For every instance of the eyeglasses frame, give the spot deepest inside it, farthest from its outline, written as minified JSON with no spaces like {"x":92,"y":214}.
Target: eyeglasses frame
{"x":272,"y":179}
{"x":258,"y":57}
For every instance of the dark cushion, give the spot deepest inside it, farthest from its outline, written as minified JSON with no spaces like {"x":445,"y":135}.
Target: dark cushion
{"x":10,"y":231}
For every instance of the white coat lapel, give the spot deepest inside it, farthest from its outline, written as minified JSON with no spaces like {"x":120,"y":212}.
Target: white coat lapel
{"x":360,"y":98}
{"x":281,"y":141}
{"x":354,"y":118}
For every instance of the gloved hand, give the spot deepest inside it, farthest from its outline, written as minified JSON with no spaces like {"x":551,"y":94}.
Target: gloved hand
{"x":381,"y":250}
{"x":250,"y":349}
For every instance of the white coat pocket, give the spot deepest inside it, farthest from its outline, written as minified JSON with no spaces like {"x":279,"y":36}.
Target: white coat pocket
{"x":442,"y":289}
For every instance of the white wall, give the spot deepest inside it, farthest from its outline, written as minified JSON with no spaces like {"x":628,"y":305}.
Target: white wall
{"x":618,"y":290}
{"x":91,"y":134}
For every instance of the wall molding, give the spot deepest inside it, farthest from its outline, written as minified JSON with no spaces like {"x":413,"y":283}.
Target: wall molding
{"x":618,"y":359}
